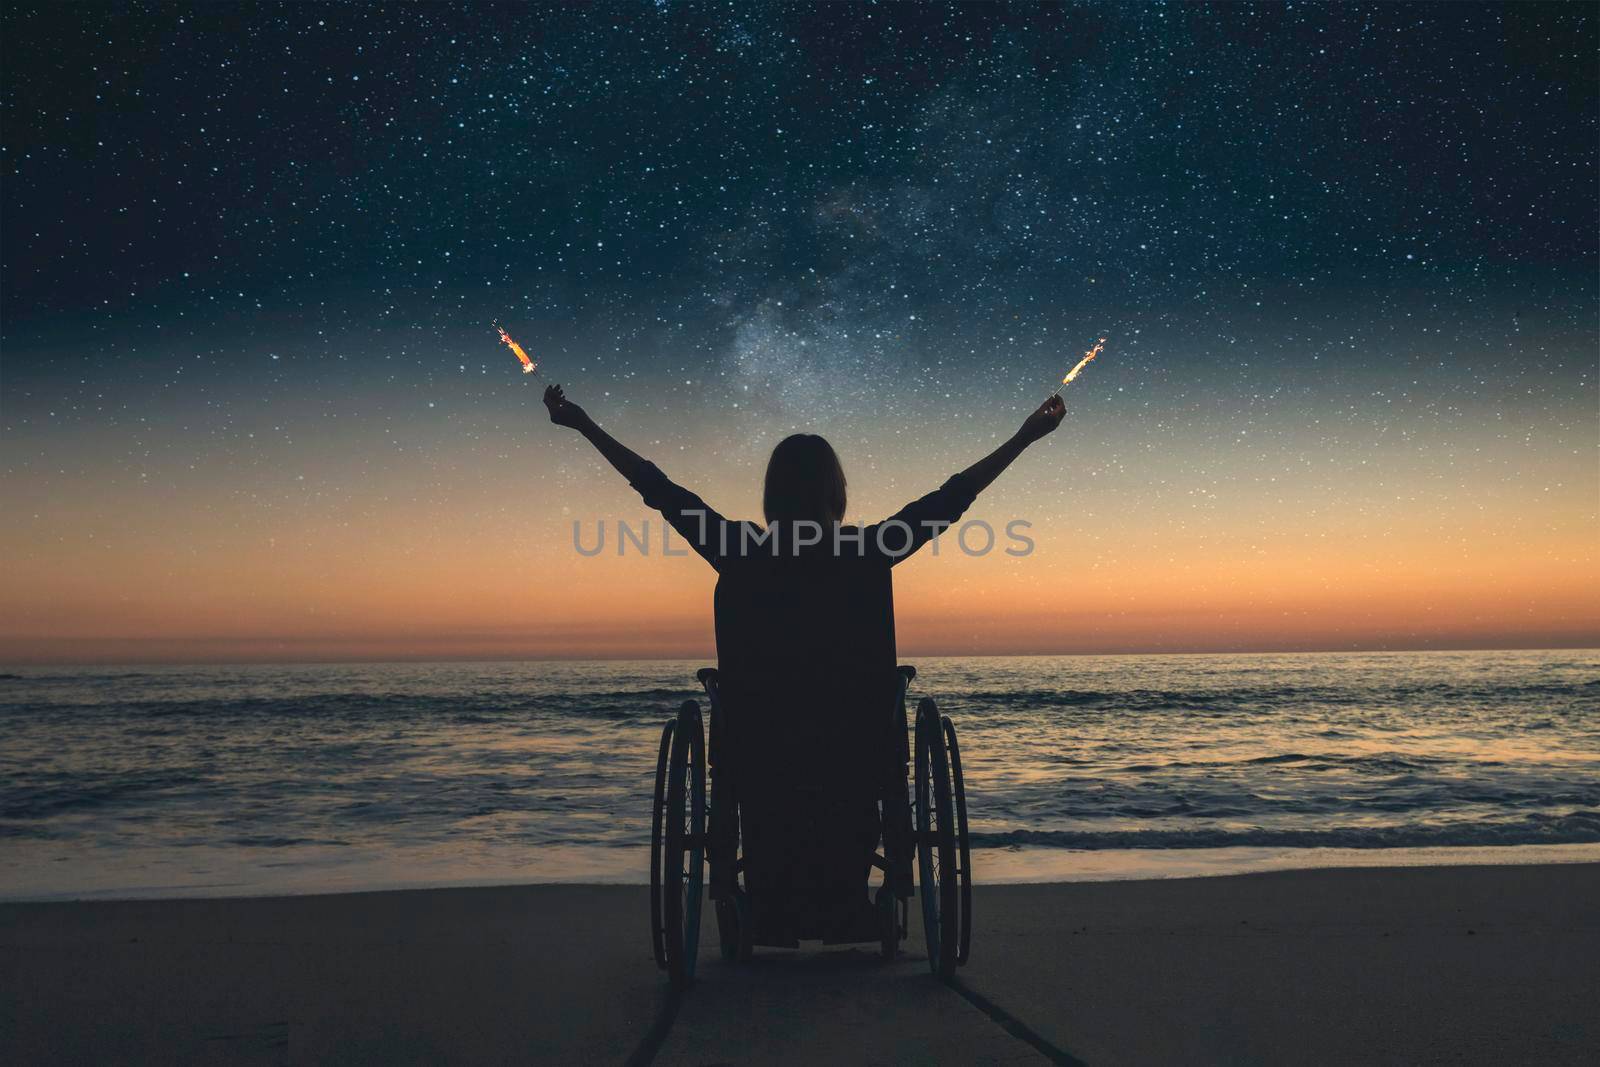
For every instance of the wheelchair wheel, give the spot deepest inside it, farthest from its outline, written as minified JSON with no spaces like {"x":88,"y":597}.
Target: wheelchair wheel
{"x":657,"y":845}
{"x":683,"y":855}
{"x":963,"y":849}
{"x":936,"y":844}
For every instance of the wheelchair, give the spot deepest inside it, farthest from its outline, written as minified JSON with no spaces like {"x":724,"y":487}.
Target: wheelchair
{"x":923,"y":821}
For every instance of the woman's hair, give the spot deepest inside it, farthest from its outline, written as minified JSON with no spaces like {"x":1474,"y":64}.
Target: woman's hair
{"x":804,"y":481}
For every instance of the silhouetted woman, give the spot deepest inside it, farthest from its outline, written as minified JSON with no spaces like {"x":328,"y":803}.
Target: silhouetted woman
{"x":804,"y":614}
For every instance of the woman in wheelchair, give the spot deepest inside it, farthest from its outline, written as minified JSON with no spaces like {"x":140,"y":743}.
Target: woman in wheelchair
{"x":805,"y":733}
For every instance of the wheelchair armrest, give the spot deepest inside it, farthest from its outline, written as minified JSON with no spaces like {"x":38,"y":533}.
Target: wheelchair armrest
{"x":907,"y":672}
{"x":707,"y":676}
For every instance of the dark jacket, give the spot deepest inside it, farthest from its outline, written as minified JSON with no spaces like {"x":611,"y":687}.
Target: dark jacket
{"x":805,"y":633}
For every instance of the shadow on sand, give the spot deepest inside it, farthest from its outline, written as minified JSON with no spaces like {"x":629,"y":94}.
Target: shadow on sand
{"x":842,"y":1005}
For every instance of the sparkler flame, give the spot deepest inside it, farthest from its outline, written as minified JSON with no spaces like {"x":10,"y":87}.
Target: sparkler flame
{"x":528,"y":365}
{"x":1084,"y":362}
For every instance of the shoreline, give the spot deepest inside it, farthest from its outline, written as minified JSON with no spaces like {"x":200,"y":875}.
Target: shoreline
{"x":606,"y":866}
{"x":1487,"y":964}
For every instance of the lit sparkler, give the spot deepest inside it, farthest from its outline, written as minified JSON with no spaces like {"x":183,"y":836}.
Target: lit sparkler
{"x":528,"y":365}
{"x":1082,"y":363}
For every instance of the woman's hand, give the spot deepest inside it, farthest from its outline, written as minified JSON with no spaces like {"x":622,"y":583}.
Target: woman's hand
{"x":564,"y":412}
{"x":1044,"y":420}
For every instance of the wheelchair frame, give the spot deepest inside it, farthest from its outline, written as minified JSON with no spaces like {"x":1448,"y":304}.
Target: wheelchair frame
{"x":924,"y":820}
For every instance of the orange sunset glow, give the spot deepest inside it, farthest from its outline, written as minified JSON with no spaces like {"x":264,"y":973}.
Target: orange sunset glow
{"x":1185,"y":542}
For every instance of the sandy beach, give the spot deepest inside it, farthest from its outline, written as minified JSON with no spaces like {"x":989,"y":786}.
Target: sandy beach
{"x":1447,"y":964}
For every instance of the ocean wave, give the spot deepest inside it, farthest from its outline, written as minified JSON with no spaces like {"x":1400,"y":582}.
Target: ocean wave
{"x":1145,"y":699}
{"x":88,"y":678}
{"x":1261,"y":697}
{"x":45,"y":801}
{"x":1138,"y":753}
{"x":467,"y":707}
{"x":280,"y":841}
{"x":1378,"y":761}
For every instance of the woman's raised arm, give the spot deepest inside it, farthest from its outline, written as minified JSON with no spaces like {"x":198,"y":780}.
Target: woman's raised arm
{"x":914,"y":525}
{"x":564,"y":412}
{"x":704,"y":529}
{"x":1045,"y":419}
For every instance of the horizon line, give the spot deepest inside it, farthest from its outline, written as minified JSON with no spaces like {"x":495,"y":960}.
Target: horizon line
{"x":336,"y":661}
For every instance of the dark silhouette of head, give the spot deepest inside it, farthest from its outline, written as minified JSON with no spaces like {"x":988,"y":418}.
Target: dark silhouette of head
{"x":804,"y":481}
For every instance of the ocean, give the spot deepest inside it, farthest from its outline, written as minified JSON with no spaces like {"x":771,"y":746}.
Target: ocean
{"x":263,"y":780}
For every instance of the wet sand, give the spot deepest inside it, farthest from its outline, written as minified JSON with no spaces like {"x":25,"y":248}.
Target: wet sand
{"x":1410,"y":965}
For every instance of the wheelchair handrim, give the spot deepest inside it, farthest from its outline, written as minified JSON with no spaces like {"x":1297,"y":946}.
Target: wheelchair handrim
{"x":936,"y":846}
{"x":683,"y":884}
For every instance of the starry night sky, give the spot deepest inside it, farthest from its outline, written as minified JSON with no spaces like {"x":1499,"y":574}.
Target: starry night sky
{"x":1344,"y":258}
